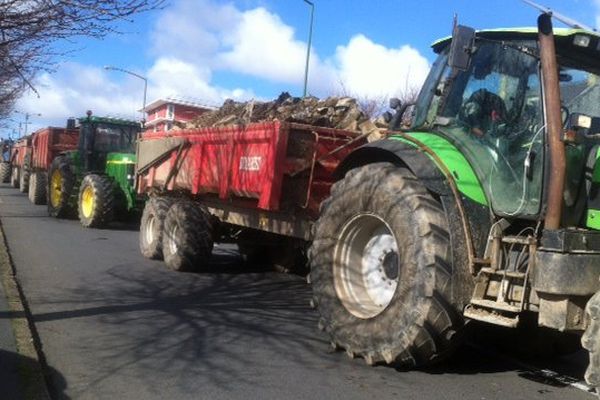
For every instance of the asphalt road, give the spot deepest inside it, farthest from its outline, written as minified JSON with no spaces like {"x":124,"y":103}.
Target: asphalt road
{"x":114,"y":325}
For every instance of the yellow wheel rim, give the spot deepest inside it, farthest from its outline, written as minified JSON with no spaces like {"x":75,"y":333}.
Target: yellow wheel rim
{"x":56,"y":182}
{"x":87,"y":201}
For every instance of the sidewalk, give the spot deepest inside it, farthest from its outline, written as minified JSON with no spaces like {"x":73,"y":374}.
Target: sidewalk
{"x":21,"y":374}
{"x":10,"y":385}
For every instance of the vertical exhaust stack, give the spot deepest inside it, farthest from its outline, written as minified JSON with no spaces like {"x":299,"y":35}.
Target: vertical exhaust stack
{"x":553,"y":122}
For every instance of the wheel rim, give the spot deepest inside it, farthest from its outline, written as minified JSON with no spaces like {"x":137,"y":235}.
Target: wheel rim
{"x":172,"y":243}
{"x":87,"y":201}
{"x":56,"y":182}
{"x":366,"y":266}
{"x":149,"y":229}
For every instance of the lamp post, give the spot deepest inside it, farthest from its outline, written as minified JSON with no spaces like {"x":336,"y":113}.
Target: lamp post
{"x":312,"y":12}
{"x":110,"y":67}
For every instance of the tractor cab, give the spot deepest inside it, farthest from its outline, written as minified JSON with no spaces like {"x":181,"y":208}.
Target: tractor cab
{"x":486,"y":97}
{"x":103,"y":141}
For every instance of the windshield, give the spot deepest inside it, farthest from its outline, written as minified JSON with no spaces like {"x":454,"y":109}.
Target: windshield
{"x":493,"y":113}
{"x":114,"y":138}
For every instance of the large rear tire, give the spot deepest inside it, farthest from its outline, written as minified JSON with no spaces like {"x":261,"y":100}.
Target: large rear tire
{"x":381,"y":269}
{"x":37,"y":188}
{"x":591,"y":342}
{"x":152,"y":226}
{"x":96,"y":201}
{"x":23,"y":181}
{"x":61,"y":181}
{"x":14,"y":177}
{"x":187,"y":239}
{"x":5,"y":172}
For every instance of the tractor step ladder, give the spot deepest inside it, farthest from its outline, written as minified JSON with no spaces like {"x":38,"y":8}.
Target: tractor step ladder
{"x":493,"y":298}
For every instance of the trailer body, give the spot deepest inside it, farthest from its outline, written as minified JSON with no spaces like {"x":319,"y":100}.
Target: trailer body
{"x":47,"y":143}
{"x":270,"y":176}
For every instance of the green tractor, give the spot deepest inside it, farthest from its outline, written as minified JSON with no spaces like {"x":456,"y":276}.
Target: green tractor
{"x":487,"y":209}
{"x":98,"y":178}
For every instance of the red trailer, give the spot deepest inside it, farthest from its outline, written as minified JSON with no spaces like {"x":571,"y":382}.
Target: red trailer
{"x":20,"y":154}
{"x":46,"y":144}
{"x":259,"y":184}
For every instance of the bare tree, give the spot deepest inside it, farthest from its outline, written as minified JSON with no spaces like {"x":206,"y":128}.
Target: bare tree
{"x":30,"y":28}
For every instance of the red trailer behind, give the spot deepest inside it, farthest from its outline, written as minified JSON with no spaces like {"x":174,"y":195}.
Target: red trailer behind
{"x":46,"y":144}
{"x":259,"y":179}
{"x":20,"y":154}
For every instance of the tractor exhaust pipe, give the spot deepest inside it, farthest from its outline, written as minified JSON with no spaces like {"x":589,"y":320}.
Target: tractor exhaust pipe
{"x":553,"y":122}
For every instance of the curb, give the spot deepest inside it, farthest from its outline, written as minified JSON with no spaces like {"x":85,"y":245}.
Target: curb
{"x":33,"y":379}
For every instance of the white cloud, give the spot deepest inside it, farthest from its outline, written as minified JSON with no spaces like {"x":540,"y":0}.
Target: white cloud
{"x":372,"y":70}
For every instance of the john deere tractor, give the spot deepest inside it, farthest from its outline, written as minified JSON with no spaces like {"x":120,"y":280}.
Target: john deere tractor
{"x":96,"y":179}
{"x":487,"y":209}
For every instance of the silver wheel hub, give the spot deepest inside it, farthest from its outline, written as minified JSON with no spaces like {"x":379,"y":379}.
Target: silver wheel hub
{"x":149,"y":231}
{"x":366,"y":267}
{"x":172,"y":243}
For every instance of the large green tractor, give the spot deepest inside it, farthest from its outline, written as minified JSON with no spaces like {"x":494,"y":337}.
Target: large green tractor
{"x":487,"y":209}
{"x":98,"y":178}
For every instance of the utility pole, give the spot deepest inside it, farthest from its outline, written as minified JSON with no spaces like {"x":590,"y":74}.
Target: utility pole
{"x":110,"y":67}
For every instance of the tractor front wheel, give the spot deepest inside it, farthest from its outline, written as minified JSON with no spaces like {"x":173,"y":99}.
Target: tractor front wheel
{"x":37,"y":188}
{"x":60,"y":187}
{"x":152,"y":226}
{"x":96,"y":203}
{"x":187,"y":241}
{"x":4,"y":172}
{"x":381,"y":269}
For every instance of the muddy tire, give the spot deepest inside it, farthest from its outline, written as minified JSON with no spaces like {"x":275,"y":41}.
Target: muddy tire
{"x":60,"y":190}
{"x":96,"y":201}
{"x":5,"y":172}
{"x":381,"y":269}
{"x":14,"y":177}
{"x":24,"y":181}
{"x":187,"y":241}
{"x":37,"y":188}
{"x":152,"y":226}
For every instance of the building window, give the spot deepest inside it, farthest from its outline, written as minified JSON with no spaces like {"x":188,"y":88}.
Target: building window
{"x":170,"y":111}
{"x":155,"y":114}
{"x":155,"y":128}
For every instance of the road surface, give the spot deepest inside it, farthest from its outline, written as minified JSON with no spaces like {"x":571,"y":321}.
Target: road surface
{"x":113,"y":325}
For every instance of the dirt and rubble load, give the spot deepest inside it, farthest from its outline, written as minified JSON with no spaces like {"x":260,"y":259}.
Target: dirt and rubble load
{"x":332,"y":112}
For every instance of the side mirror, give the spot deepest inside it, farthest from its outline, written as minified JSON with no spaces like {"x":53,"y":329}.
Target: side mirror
{"x":463,"y":38}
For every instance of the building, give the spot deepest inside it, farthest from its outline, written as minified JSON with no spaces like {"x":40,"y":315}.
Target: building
{"x":163,"y":114}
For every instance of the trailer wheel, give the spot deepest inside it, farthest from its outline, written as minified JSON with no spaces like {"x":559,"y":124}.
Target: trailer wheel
{"x":23,"y":181}
{"x":187,"y":238}
{"x":5,"y":172}
{"x":591,"y":341}
{"x":381,"y":269}
{"x":37,"y":188}
{"x":61,"y":181}
{"x":14,"y":177}
{"x":152,"y":224}
{"x":96,"y":203}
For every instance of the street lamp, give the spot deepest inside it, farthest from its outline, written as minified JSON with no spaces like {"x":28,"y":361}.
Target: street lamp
{"x":110,"y":67}
{"x":26,"y":123}
{"x":312,"y":12}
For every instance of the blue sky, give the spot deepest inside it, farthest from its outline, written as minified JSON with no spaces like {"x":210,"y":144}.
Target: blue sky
{"x":211,"y":50}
